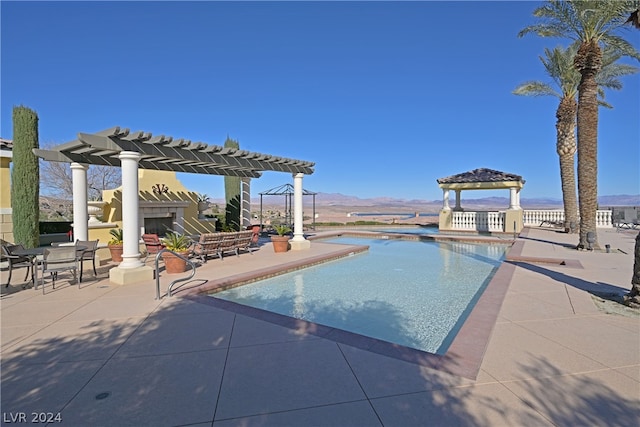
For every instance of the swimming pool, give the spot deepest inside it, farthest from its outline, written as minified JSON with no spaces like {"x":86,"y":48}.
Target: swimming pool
{"x":415,"y":294}
{"x":409,"y":230}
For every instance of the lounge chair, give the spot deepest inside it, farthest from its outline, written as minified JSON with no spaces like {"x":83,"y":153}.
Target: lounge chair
{"x":628,"y":220}
{"x":244,"y":241}
{"x":208,"y":244}
{"x":152,"y":243}
{"x":227,"y":244}
{"x":15,"y":261}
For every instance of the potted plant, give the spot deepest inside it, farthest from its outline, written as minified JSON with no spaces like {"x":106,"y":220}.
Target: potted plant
{"x":115,"y":244}
{"x":281,"y":241}
{"x":203,"y":202}
{"x":180,"y":244}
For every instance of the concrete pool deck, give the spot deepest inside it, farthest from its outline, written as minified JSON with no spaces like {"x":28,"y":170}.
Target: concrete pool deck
{"x":113,"y":355}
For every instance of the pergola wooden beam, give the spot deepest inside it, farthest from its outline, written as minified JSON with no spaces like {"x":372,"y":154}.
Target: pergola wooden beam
{"x":166,"y":153}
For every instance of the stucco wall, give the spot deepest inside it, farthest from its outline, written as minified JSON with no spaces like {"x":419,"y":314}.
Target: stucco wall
{"x":178,"y":199}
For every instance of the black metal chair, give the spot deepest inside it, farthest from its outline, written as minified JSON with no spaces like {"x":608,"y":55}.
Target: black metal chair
{"x":88,"y":254}
{"x":15,"y":261}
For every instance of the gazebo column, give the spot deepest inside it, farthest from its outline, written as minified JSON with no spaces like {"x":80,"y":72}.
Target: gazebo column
{"x":513,"y":198}
{"x":298,"y":242}
{"x":131,"y":269}
{"x":445,"y":217}
{"x":80,"y":213}
{"x":513,"y":219}
{"x":445,"y":199}
{"x":458,"y":207}
{"x":245,"y":217}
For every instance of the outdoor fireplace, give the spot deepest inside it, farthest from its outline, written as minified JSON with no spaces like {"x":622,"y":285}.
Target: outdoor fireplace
{"x":159,"y":217}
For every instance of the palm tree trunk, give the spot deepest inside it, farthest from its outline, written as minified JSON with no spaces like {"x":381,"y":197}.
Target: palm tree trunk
{"x":632,"y":299}
{"x":588,"y":61}
{"x":566,"y":148}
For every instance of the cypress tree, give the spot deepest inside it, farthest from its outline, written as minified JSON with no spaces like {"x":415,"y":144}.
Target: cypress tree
{"x":25,"y":178}
{"x":232,"y":194}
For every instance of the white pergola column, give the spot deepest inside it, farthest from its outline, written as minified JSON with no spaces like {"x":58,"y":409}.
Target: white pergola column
{"x":298,"y":241}
{"x":245,"y":189}
{"x":80,"y":213}
{"x":518,"y":198}
{"x":458,"y":201}
{"x":130,"y":218}
{"x":445,"y":199}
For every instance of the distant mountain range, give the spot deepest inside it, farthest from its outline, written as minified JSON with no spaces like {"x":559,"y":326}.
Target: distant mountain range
{"x":338,"y":199}
{"x":55,"y":209}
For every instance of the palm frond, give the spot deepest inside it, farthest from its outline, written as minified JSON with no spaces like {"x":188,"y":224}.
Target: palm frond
{"x":619,"y":44}
{"x":559,"y":65}
{"x":608,"y":76}
{"x":535,"y":88}
{"x":603,"y":103}
{"x":584,"y":20}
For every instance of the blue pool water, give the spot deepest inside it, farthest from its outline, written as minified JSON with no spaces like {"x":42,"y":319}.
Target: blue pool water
{"x":416,"y":294}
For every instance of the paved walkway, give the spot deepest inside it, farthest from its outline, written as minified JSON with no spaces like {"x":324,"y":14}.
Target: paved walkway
{"x":107,"y":355}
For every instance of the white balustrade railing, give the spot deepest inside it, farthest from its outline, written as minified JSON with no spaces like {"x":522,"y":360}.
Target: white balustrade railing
{"x":494,"y":221}
{"x":536,"y":217}
{"x":480,"y":221}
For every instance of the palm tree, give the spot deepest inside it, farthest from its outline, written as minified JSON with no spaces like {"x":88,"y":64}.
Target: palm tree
{"x":593,"y":24}
{"x":559,"y":66}
{"x":633,"y":297}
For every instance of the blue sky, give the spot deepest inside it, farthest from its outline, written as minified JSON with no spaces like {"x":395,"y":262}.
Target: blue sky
{"x":384,"y":97}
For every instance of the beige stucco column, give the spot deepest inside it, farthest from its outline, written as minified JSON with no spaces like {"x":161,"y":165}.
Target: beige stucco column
{"x":6,"y":221}
{"x":131,"y":269}
{"x":80,"y":213}
{"x":298,"y":242}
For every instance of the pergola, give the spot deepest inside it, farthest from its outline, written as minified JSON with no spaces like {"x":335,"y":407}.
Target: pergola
{"x":131,"y":151}
{"x":287,"y":191}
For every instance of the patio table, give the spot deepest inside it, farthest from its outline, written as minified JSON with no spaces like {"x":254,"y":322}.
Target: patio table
{"x":34,"y":253}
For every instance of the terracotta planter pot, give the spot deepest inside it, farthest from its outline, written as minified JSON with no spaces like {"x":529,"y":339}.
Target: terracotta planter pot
{"x":116,"y":252}
{"x":280,"y":243}
{"x":173,"y":264}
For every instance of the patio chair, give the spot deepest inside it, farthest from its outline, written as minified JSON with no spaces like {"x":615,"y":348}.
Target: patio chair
{"x":15,"y":261}
{"x":88,"y":254}
{"x":255,"y":236}
{"x":152,"y":243}
{"x":58,"y":259}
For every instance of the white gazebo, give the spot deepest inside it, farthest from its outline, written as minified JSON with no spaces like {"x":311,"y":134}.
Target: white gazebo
{"x":141,"y":150}
{"x":456,"y":218}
